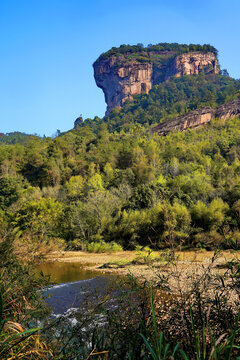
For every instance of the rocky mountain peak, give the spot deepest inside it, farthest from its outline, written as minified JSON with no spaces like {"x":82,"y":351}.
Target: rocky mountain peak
{"x":123,"y":74}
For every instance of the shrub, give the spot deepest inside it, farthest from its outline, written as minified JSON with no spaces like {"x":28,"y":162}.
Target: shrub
{"x":208,"y":240}
{"x":102,"y":247}
{"x":144,"y":255}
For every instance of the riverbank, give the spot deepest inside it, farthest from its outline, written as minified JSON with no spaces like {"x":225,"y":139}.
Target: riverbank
{"x":191,"y":277}
{"x":186,"y":265}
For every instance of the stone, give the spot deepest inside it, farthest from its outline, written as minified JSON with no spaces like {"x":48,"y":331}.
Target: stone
{"x":78,"y":122}
{"x":193,"y":63}
{"x":120,"y":83}
{"x":196,"y":118}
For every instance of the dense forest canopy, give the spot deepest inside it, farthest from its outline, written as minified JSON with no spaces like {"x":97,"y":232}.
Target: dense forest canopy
{"x":111,"y":179}
{"x":15,"y":137}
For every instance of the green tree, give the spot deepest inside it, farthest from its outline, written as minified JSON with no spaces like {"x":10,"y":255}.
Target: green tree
{"x":38,"y":217}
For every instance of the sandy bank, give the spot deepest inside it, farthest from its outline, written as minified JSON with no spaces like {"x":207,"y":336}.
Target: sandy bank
{"x":189,"y":264}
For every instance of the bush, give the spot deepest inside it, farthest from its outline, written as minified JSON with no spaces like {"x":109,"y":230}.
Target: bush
{"x":208,"y":240}
{"x":102,"y":247}
{"x":144,"y":255}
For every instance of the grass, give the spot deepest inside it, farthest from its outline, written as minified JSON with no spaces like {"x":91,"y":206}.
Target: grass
{"x":156,"y":344}
{"x":17,"y":342}
{"x":20,"y":303}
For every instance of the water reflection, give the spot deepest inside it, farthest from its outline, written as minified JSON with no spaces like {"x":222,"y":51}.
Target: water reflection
{"x":63,"y":272}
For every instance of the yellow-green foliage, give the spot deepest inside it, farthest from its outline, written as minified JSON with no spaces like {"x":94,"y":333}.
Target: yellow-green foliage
{"x":144,"y":255}
{"x":75,"y":186}
{"x":111,"y":179}
{"x":103,"y":247}
{"x":40,"y":217}
{"x":212,"y":216}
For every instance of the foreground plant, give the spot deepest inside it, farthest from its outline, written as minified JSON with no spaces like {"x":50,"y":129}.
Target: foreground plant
{"x":17,"y":342}
{"x":20,"y":305}
{"x":156,"y":344}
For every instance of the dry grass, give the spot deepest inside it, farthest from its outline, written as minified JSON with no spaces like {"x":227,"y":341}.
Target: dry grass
{"x":18,"y":344}
{"x":98,"y":355}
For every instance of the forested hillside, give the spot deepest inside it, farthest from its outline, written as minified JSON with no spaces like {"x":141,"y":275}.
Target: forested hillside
{"x":170,"y":99}
{"x":15,"y":137}
{"x":111,"y":179}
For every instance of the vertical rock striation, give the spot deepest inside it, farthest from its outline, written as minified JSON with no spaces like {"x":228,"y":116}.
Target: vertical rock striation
{"x":120,"y":83}
{"x":193,"y":63}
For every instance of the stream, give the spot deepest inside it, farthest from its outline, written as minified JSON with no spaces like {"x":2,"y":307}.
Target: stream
{"x":73,"y":285}
{"x":82,"y":302}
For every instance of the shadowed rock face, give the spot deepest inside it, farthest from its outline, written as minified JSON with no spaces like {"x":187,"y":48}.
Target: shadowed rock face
{"x":120,"y":78}
{"x":198,"y":117}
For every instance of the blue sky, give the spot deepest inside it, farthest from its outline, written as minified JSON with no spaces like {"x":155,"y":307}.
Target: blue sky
{"x":47,"y":48}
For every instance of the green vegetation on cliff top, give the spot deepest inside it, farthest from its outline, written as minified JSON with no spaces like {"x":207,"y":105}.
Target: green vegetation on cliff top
{"x":140,"y":53}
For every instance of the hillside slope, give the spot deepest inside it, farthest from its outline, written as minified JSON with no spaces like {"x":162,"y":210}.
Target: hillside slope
{"x":196,"y":118}
{"x":167,"y":100}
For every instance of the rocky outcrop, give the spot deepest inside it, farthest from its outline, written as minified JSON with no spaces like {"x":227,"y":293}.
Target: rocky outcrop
{"x":193,"y":63}
{"x":198,"y":117}
{"x":228,"y":110}
{"x":78,"y":122}
{"x":192,"y":119}
{"x":119,"y":82}
{"x":122,"y":76}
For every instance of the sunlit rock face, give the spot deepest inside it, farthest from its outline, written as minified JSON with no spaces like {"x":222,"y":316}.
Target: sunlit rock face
{"x":120,"y":83}
{"x":120,"y":77}
{"x":198,"y":117}
{"x":228,"y":110}
{"x":193,"y":63}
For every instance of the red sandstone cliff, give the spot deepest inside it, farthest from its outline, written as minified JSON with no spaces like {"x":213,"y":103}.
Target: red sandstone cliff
{"x":120,"y":77}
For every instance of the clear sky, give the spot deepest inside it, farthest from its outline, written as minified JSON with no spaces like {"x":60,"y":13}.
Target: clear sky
{"x":47,"y":48}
